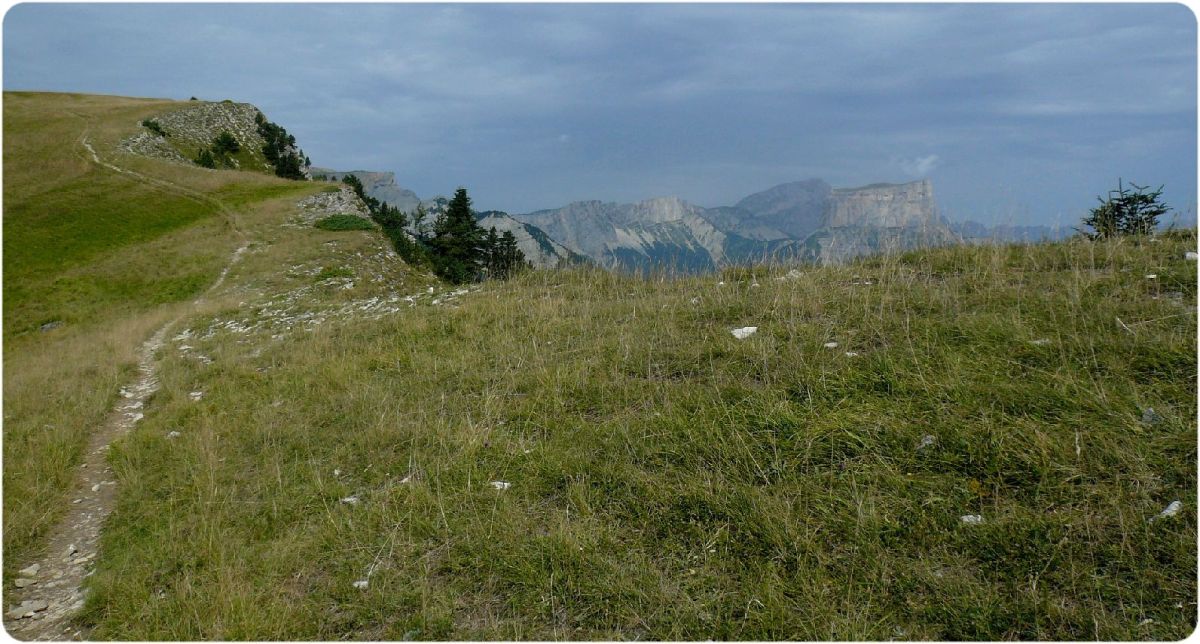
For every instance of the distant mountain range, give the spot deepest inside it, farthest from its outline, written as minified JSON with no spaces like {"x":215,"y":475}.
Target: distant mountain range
{"x":804,"y":220}
{"x":807,"y":221}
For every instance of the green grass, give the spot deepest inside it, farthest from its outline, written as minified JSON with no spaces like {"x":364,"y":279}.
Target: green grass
{"x":106,"y":255}
{"x":669,"y":481}
{"x":344,"y":222}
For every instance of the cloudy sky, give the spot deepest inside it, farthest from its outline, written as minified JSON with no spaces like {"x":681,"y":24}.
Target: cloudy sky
{"x":1018,"y":113}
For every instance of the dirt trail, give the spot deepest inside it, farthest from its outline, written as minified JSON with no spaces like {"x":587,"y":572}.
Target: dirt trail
{"x":41,"y":610}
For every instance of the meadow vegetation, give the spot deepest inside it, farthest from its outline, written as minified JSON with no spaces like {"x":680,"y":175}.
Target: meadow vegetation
{"x":344,"y":448}
{"x":668,"y":481}
{"x":93,"y":256}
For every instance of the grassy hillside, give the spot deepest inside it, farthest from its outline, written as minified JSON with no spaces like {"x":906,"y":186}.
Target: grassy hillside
{"x":583,"y":455}
{"x":670,"y":481}
{"x":101,"y":254}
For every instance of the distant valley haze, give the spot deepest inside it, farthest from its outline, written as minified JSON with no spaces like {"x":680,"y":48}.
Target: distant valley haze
{"x":1017,"y":114}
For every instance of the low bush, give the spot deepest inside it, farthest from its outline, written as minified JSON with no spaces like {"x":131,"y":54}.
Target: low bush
{"x":344,"y":222}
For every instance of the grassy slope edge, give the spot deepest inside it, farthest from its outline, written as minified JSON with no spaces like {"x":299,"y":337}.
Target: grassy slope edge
{"x":106,"y":255}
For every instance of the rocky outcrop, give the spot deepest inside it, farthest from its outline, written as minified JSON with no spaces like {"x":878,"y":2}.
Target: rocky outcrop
{"x":194,"y":127}
{"x":379,"y":185}
{"x":341,"y":201}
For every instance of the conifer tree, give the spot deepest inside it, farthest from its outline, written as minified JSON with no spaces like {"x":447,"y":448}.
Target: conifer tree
{"x":457,"y":241}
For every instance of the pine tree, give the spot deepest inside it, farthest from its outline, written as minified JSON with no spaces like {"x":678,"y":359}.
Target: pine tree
{"x":1126,"y":212}
{"x":457,"y":242}
{"x":491,"y":252}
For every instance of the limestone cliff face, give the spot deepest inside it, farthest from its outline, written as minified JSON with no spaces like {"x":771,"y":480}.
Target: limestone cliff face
{"x":882,"y":205}
{"x":879,"y":218}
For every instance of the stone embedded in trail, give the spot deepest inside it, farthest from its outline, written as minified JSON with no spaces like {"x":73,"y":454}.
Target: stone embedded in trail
{"x":22,"y":582}
{"x":744,"y":332}
{"x":31,"y":571}
{"x":27,"y":608}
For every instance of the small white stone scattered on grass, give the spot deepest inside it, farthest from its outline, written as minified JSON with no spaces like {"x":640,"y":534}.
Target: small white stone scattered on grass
{"x":831,"y":345}
{"x":926,"y":441}
{"x":1171,"y":510}
{"x":1040,"y":342}
{"x":173,"y":434}
{"x":851,"y":354}
{"x":972,"y":519}
{"x":361,"y":584}
{"x":1191,"y":255}
{"x":744,"y":332}
{"x":1152,"y":276}
{"x":350,"y":500}
{"x":406,"y":479}
{"x":501,"y":485}
{"x":196,"y":395}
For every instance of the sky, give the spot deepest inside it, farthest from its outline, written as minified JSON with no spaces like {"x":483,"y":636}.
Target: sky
{"x":1018,"y":113}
